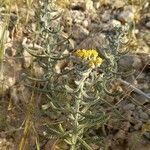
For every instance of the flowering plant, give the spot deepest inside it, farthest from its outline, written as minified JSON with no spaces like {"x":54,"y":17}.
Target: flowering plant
{"x":74,"y":99}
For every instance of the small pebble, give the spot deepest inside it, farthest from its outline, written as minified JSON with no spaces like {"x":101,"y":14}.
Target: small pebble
{"x":127,"y":15}
{"x":118,"y":4}
{"x":144,"y":116}
{"x":85,"y":23}
{"x":129,"y":107}
{"x":140,"y":111}
{"x":138,"y":125}
{"x":139,"y":107}
{"x":148,"y":24}
{"x":106,"y":16}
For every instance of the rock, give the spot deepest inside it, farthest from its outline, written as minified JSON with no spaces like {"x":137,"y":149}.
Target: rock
{"x":90,"y":7}
{"x":144,"y":116}
{"x":127,"y":15}
{"x":106,"y":16}
{"x":136,"y":114}
{"x":139,"y":107}
{"x":129,"y":107}
{"x":86,"y":23}
{"x":129,"y":62}
{"x":77,"y":16}
{"x":125,"y":63}
{"x":97,"y":4}
{"x":137,"y":63}
{"x":140,"y":111}
{"x":79,"y":33}
{"x":138,"y":125}
{"x":95,"y":41}
{"x":118,"y":4}
{"x":67,"y":19}
{"x":148,"y":24}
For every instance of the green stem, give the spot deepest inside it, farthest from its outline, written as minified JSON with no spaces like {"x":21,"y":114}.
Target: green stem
{"x":77,"y":110}
{"x":76,"y":123}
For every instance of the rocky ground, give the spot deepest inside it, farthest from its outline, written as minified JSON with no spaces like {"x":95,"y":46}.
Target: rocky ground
{"x":86,"y":21}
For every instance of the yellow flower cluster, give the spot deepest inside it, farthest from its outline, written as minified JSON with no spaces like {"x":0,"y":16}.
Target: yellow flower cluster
{"x":91,"y":56}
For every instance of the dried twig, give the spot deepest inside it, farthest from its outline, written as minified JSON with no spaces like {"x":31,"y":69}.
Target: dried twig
{"x":135,"y":89}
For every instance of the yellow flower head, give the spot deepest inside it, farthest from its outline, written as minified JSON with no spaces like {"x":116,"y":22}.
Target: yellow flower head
{"x":91,"y":56}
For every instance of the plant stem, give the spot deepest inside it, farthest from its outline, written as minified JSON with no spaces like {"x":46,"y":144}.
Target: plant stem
{"x":76,"y":123}
{"x":77,"y":110}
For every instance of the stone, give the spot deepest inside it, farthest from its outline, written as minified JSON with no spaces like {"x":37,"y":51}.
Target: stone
{"x":118,"y":4}
{"x":129,"y":62}
{"x":86,"y":23}
{"x":125,"y":63}
{"x":129,"y":107}
{"x":79,"y":33}
{"x":127,"y":15}
{"x":138,"y":125}
{"x":96,"y":41}
{"x":77,"y":16}
{"x":106,"y":16}
{"x":148,"y":24}
{"x":137,"y":63}
{"x":144,"y":116}
{"x":89,"y":6}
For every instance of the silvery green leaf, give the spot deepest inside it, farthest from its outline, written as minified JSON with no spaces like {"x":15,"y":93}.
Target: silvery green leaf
{"x":77,"y":82}
{"x":68,"y":141}
{"x":69,"y":89}
{"x":71,"y":117}
{"x":46,"y":106}
{"x":86,"y":96}
{"x":61,"y":128}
